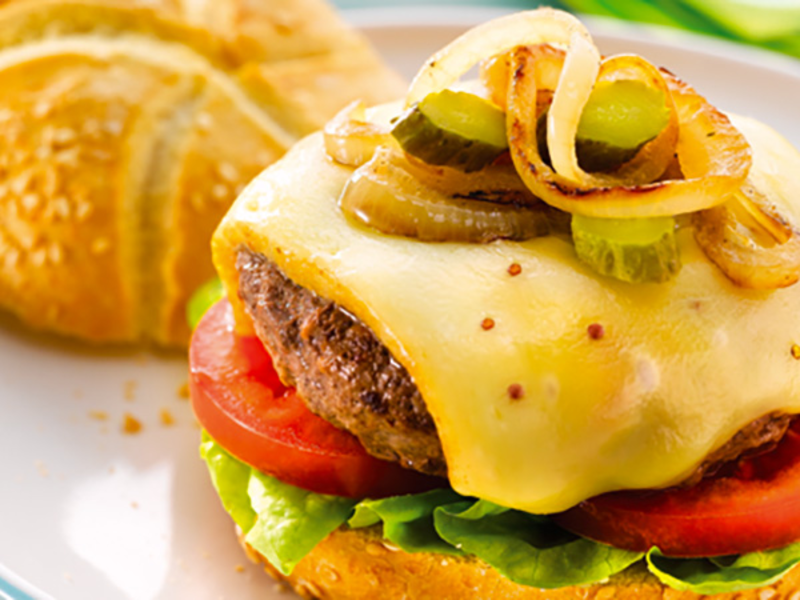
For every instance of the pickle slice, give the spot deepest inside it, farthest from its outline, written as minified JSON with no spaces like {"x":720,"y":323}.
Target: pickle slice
{"x":620,"y":117}
{"x":633,"y":250}
{"x":453,"y":129}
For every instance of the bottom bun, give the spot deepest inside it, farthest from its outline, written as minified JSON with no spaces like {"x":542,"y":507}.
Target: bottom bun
{"x":357,"y":564}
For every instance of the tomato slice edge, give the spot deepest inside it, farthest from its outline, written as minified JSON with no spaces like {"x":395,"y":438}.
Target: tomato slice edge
{"x":238,"y":398}
{"x":719,"y":516}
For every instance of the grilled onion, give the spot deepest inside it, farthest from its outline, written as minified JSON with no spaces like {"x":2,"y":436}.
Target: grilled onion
{"x":650,"y":162}
{"x":388,"y":194}
{"x":713,"y":155}
{"x":548,"y":61}
{"x":496,"y":37}
{"x":350,"y":139}
{"x":754,"y":238}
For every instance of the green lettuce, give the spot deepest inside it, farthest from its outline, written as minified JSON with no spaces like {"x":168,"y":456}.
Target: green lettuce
{"x":408,"y":520}
{"x":726,"y":574}
{"x":284,"y":523}
{"x":231,"y":479}
{"x":206,"y":296}
{"x":528,"y":549}
{"x":281,"y":521}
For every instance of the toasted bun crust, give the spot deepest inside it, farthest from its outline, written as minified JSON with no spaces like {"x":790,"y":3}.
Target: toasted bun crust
{"x":359,"y":565}
{"x":128,"y":129}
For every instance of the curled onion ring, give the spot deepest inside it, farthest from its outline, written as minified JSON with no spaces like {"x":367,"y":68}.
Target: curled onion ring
{"x":650,"y":162}
{"x":540,"y":26}
{"x":714,"y":166}
{"x":754,"y":238}
{"x":494,"y":74}
{"x":713,"y":155}
{"x":352,"y":140}
{"x":749,"y":241}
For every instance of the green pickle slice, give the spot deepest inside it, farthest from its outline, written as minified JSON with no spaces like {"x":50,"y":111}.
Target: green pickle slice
{"x":453,"y":129}
{"x":619,"y":118}
{"x":632,"y":250}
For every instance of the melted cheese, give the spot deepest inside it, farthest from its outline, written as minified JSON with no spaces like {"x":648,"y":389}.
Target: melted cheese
{"x":682,"y":365}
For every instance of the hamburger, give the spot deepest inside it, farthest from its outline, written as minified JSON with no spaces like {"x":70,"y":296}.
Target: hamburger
{"x":528,"y":337}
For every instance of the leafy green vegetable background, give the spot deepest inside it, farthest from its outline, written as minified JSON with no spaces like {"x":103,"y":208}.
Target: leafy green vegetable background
{"x":771,"y":24}
{"x":284,"y":523}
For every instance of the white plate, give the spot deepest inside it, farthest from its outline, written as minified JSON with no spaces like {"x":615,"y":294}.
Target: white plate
{"x":87,"y":512}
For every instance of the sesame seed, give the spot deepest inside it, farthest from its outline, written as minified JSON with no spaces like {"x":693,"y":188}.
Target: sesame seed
{"x":42,"y":109}
{"x":30,"y":202}
{"x":56,"y":254}
{"x":228,"y":172}
{"x":100,"y":245}
{"x":11,"y":259}
{"x":61,"y":207}
{"x":796,"y":352}
{"x":20,"y":183}
{"x":68,"y":157}
{"x":220,"y":191}
{"x":43,"y":153}
{"x":204,"y":121}
{"x":27,"y":239}
{"x":20,"y":157}
{"x":83,"y":210}
{"x":113,"y":127}
{"x":91,"y":127}
{"x":38,"y":257}
{"x":64,"y":136}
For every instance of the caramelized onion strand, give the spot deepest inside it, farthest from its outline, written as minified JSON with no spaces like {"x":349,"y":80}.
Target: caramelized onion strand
{"x":384,"y":195}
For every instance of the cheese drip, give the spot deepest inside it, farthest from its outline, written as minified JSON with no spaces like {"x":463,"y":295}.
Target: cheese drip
{"x":539,"y":412}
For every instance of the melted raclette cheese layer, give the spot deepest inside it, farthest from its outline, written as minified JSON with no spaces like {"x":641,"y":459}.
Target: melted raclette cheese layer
{"x":682,"y":365}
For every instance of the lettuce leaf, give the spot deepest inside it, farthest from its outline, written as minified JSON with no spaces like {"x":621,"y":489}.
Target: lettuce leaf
{"x":291,"y":521}
{"x":528,"y":549}
{"x":281,"y":521}
{"x":206,"y":296}
{"x":230,"y":478}
{"x":722,"y":575}
{"x":284,"y":523}
{"x":408,"y":520}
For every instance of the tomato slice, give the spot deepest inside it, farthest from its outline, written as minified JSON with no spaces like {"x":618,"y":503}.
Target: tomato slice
{"x":239,"y":399}
{"x":754,"y":506}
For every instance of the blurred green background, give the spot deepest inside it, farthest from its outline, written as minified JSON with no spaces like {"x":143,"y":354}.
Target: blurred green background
{"x":771,"y":24}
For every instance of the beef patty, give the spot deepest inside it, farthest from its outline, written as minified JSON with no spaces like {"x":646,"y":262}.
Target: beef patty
{"x":340,"y":369}
{"x":348,"y":377}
